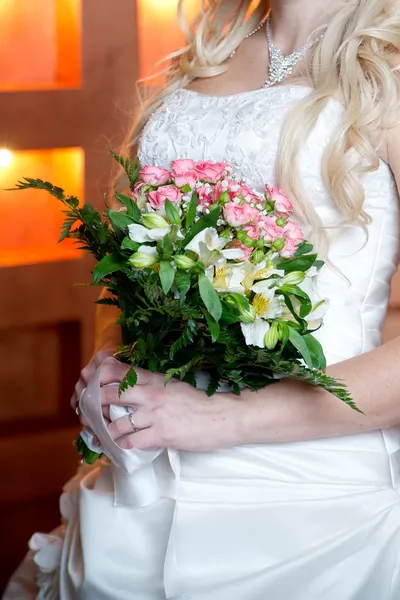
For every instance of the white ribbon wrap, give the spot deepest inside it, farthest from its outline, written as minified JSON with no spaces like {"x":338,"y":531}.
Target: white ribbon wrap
{"x":135,"y":482}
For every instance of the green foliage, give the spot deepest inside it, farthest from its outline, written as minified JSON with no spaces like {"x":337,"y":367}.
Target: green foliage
{"x":194,"y":328}
{"x":210,"y":297}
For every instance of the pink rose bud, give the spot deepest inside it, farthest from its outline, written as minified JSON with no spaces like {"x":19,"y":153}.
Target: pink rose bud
{"x":289,"y":249}
{"x":158,"y":197}
{"x":184,"y":173}
{"x":182,"y":165}
{"x":293,"y":232}
{"x":205,"y":196}
{"x":283,"y":206}
{"x":237,"y":215}
{"x":210,"y":172}
{"x":154,"y":176}
{"x":270,"y":230}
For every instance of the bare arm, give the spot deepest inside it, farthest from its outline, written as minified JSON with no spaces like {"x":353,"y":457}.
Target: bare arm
{"x":292,"y":411}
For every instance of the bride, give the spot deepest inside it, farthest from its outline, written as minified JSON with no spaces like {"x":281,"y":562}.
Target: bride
{"x":286,"y":494}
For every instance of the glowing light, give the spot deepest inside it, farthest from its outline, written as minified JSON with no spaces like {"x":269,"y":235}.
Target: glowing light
{"x":5,"y":158}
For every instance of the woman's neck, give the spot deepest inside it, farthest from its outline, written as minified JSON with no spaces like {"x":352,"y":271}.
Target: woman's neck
{"x":292,"y":21}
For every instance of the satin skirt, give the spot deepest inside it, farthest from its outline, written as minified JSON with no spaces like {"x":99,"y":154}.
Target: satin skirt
{"x":302,"y":521}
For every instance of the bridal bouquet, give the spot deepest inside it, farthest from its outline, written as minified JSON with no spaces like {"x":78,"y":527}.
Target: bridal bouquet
{"x":209,"y":275}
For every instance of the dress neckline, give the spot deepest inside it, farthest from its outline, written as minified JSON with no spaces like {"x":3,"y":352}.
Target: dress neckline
{"x":250,"y":92}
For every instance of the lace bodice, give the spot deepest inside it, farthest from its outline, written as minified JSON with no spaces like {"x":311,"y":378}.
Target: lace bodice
{"x":244,"y":131}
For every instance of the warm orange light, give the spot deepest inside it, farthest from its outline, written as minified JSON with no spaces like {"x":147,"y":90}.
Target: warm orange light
{"x":5,"y":158}
{"x":31,"y":220}
{"x":159,"y":30}
{"x":40,"y":44}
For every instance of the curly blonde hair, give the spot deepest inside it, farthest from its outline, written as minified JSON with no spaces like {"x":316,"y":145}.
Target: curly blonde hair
{"x":353,"y":60}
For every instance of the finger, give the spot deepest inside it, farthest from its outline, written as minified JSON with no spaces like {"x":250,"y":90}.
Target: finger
{"x":124,"y":426}
{"x":112,"y":371}
{"x":145,"y":439}
{"x":80,"y":386}
{"x":132,"y":396}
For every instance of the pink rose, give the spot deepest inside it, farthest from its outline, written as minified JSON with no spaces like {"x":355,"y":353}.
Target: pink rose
{"x":154,"y":175}
{"x":289,"y":249}
{"x":209,"y":171}
{"x":283,"y":206}
{"x":249,"y":195}
{"x":237,"y":215}
{"x":184,"y":173}
{"x":182,"y":166}
{"x":253,"y":230}
{"x":232,"y":187}
{"x":205,"y":196}
{"x":293,"y":232}
{"x":247,"y":251}
{"x":270,"y":230}
{"x":158,"y":197}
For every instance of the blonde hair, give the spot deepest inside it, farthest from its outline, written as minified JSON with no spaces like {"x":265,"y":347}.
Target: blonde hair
{"x":353,"y":60}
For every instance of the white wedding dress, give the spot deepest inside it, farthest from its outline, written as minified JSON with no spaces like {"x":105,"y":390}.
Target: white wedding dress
{"x":314,"y":520}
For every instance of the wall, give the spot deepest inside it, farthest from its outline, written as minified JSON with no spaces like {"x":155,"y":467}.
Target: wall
{"x":67,"y":88}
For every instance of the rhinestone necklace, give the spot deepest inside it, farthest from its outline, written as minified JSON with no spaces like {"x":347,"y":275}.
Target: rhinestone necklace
{"x":280,"y":66}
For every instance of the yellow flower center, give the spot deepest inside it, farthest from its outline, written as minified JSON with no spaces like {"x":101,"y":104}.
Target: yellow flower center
{"x":262,"y":274}
{"x":260,"y":304}
{"x":220,"y":277}
{"x":156,"y":268}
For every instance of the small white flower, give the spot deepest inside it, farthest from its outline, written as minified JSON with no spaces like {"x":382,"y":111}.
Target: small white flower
{"x":266,"y":304}
{"x":254,"y":333}
{"x":140,"y":234}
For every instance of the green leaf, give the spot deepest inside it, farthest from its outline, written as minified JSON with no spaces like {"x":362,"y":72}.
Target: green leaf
{"x":132,"y":207}
{"x":88,"y":456}
{"x":109,"y":264}
{"x":213,"y":326}
{"x":165,"y":248}
{"x":130,"y":380}
{"x":68,"y":224}
{"x":319,"y":264}
{"x":119,"y":220}
{"x":301,"y":346}
{"x":167,"y":275}
{"x":302,"y":263}
{"x":316,"y":352}
{"x":209,"y":220}
{"x":182,"y":282}
{"x":192,"y":210}
{"x":303,"y":248}
{"x":171,"y":212}
{"x":128,"y":244}
{"x":210,"y":297}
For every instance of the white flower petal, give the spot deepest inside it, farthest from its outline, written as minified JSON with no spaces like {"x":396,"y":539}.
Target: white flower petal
{"x":158,"y":234}
{"x":254,"y":333}
{"x":139,"y":233}
{"x":233,"y":254}
{"x":194,"y":245}
{"x":151,"y":250}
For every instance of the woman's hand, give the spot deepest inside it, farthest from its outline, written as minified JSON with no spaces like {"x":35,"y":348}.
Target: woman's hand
{"x":176,"y":416}
{"x":87,"y":373}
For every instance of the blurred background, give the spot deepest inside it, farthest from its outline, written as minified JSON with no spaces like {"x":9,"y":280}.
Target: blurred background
{"x":68,"y":70}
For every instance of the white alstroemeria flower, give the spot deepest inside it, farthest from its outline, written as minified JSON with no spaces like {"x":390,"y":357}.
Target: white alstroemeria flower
{"x":262,"y":270}
{"x":146,"y":257}
{"x":266,"y":304}
{"x":254,"y":333}
{"x":228,"y":279}
{"x":208,"y":242}
{"x":140,"y":234}
{"x":318,"y":311}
